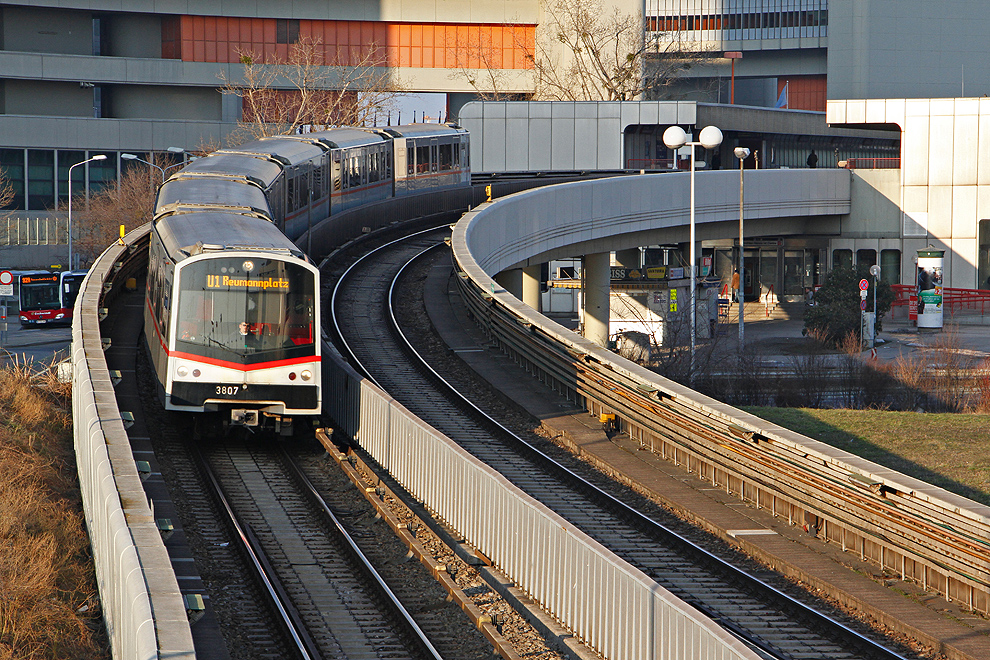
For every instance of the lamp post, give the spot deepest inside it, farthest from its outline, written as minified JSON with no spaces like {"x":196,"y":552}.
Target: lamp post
{"x":141,"y":160}
{"x":179,"y":151}
{"x":99,"y":157}
{"x":709,"y":138}
{"x":742,"y":153}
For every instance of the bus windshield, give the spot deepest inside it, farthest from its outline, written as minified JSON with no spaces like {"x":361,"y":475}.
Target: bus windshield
{"x":36,"y":295}
{"x":256,"y":309}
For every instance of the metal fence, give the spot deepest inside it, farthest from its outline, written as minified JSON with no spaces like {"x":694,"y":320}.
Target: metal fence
{"x":34,"y":231}
{"x":616,"y":609}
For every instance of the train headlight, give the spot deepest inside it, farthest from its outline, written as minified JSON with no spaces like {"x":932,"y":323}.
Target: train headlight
{"x":58,"y":316}
{"x":196,"y":373}
{"x":292,"y":375}
{"x":182,"y":372}
{"x":24,"y":318}
{"x":306,"y":374}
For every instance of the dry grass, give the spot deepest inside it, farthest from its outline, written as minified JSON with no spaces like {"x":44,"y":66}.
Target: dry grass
{"x":48,"y":599}
{"x":945,"y":449}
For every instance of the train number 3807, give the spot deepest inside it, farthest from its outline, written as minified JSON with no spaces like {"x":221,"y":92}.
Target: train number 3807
{"x":227,"y":390}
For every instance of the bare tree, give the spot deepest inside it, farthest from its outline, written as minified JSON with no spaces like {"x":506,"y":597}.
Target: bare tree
{"x":480,"y":62}
{"x":585,"y":51}
{"x":129,"y":202}
{"x":6,"y":191}
{"x":310,"y":87}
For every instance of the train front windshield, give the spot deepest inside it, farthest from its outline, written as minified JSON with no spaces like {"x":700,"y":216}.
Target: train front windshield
{"x":246,"y":310}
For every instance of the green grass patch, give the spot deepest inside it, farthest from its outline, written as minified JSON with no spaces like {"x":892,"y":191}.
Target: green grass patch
{"x":948,"y":450}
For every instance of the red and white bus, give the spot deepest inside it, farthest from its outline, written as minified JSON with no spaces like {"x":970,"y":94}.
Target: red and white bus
{"x":47,"y":298}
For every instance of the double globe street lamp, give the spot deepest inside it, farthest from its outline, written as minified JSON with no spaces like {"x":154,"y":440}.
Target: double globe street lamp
{"x":172,"y":150}
{"x":709,"y":138}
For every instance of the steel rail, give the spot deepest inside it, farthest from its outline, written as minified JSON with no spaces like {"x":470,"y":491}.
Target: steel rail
{"x":785,"y":603}
{"x":879,"y":508}
{"x":292,"y":622}
{"x":389,"y":596}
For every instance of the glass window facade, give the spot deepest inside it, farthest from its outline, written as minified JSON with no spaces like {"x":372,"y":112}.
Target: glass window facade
{"x":12,"y":164}
{"x":842,"y":259}
{"x":718,"y":20}
{"x":41,"y":179}
{"x":39,"y":175}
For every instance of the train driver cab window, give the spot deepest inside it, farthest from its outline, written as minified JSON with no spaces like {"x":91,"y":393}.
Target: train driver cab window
{"x":238,"y":308}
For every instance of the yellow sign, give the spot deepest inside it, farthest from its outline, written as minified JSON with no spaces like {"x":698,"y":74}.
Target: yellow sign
{"x":656,"y":272}
{"x":226,"y":281}
{"x":488,"y":192}
{"x":673,"y":300}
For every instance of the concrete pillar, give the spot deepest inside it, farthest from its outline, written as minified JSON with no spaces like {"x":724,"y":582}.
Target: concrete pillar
{"x":597,"y":284}
{"x":512,"y":281}
{"x":531,"y":286}
{"x":629,"y":258}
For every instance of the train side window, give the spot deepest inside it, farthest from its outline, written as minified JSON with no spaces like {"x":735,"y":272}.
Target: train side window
{"x":434,"y":157}
{"x":303,"y":190}
{"x":410,"y":161}
{"x":290,"y":194}
{"x":457,"y":155}
{"x":446,"y":156}
{"x":318,"y":182}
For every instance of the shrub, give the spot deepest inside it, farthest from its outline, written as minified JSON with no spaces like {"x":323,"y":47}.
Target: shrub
{"x":836,"y":313}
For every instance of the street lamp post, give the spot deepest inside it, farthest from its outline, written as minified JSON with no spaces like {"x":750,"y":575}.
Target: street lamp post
{"x":742,"y":153}
{"x":99,"y":157}
{"x":141,"y":160}
{"x":709,"y":138}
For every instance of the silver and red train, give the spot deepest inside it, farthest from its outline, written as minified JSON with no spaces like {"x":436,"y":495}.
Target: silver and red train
{"x":232,"y":314}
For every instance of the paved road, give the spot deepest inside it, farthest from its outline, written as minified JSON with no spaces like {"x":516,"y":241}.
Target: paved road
{"x":38,"y":347}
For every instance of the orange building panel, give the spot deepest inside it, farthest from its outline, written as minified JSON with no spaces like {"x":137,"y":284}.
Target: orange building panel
{"x":804,"y":92}
{"x":225,"y":39}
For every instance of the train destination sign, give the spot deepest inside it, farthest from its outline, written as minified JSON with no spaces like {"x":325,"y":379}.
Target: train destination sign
{"x":228,"y":282}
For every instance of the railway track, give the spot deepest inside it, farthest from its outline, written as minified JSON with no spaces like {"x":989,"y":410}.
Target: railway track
{"x":333,"y":604}
{"x":774,"y":624}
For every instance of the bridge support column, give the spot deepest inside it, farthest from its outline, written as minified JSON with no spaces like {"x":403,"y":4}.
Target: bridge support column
{"x":512,"y":281}
{"x":597,"y":282}
{"x":629,"y":258}
{"x":531,"y":286}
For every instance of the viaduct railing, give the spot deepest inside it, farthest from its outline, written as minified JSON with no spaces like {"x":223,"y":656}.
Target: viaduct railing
{"x":921,"y":532}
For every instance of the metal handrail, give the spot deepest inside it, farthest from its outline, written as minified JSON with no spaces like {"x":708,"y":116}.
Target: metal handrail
{"x":954,"y":299}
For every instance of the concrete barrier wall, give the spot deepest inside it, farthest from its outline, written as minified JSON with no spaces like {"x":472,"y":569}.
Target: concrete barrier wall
{"x":142,"y":605}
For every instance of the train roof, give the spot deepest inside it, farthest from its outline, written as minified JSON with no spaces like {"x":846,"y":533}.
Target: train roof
{"x":259,"y":168}
{"x":424,"y":130}
{"x":287,"y":151}
{"x":188,"y":234}
{"x":342,"y":138}
{"x":215,"y":191}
